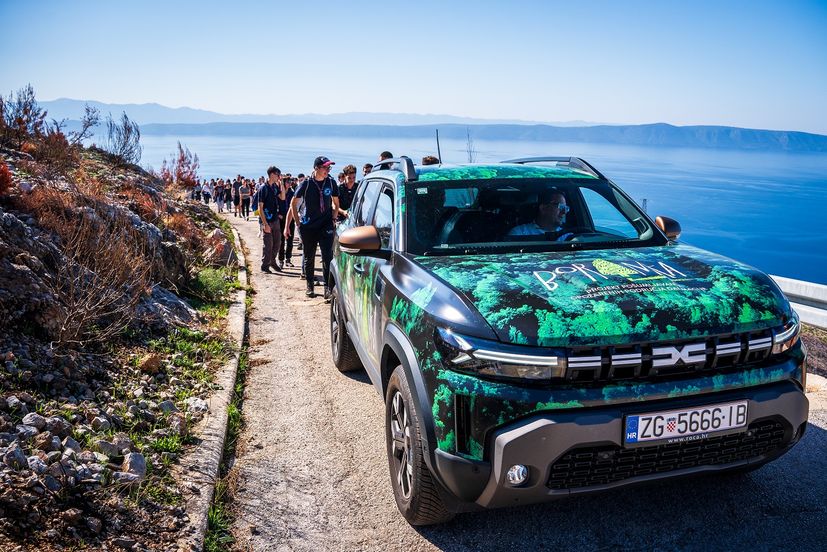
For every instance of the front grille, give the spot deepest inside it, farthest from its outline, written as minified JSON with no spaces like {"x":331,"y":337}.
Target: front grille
{"x":663,"y":359}
{"x":590,"y":466}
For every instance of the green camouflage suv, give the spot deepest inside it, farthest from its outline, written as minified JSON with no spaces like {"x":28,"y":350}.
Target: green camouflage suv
{"x":536,"y":335}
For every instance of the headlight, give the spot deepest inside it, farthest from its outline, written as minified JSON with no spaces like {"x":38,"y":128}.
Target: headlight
{"x":488,"y":358}
{"x":788,"y":336}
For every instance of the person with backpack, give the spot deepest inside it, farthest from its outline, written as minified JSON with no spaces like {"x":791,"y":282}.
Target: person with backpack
{"x":319,"y":196}
{"x":269,"y":197}
{"x":286,"y":249}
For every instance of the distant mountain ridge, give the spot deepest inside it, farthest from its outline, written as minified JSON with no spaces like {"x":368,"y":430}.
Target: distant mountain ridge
{"x":658,"y":134}
{"x":390,"y":125}
{"x":64,"y":108}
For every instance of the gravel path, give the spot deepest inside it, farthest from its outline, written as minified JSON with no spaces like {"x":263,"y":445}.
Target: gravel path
{"x":311,"y":472}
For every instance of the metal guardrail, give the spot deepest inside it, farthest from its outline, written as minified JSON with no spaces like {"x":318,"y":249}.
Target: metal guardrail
{"x":808,"y":299}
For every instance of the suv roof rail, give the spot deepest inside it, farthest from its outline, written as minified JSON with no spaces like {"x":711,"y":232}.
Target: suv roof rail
{"x":573,"y":161}
{"x":404,"y":164}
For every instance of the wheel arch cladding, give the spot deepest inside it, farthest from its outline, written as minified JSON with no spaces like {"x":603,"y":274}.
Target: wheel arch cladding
{"x":397,"y":344}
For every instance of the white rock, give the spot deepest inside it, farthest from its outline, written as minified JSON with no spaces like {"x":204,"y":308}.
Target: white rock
{"x":194,"y":404}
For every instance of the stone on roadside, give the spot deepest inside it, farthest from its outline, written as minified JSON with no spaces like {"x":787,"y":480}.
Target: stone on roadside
{"x":15,"y":458}
{"x":46,"y":442}
{"x":58,"y":426}
{"x":37,"y":465}
{"x":125,"y":478}
{"x":122,"y":442}
{"x":26,"y":432}
{"x":178,"y":424}
{"x":51,"y":483}
{"x":124,"y":542}
{"x":35,"y":419}
{"x":87,"y":457}
{"x":72,"y":516}
{"x":71,"y":444}
{"x":134,"y":463}
{"x":26,"y":397}
{"x":52,"y":457}
{"x":167,"y":407}
{"x":100,"y":424}
{"x":107,"y":448}
{"x":16,"y":404}
{"x":194,"y":404}
{"x":94,"y":524}
{"x":150,"y":363}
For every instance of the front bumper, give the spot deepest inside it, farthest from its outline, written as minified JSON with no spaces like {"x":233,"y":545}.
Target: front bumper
{"x":777,"y":416}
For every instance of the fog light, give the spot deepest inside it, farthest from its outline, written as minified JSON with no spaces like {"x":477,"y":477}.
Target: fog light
{"x":517,"y":474}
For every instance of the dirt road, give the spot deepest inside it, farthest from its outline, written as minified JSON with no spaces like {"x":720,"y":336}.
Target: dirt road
{"x":312,"y":473}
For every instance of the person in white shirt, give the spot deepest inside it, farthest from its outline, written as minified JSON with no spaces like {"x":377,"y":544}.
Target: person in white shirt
{"x":551,"y":215}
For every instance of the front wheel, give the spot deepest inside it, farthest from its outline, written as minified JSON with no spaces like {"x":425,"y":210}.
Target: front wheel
{"x":414,"y":488}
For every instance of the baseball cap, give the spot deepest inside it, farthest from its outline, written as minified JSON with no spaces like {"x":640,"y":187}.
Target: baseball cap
{"x":322,"y":161}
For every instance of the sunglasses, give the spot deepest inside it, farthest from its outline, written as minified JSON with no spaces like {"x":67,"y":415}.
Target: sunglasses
{"x":562,"y":207}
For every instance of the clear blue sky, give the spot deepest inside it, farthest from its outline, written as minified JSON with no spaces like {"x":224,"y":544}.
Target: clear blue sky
{"x":754,"y":64}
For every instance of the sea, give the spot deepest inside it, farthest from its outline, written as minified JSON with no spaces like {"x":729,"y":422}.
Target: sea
{"x":765,"y":209}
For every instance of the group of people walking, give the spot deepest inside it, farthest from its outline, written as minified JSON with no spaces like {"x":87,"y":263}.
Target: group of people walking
{"x":237,"y":192}
{"x":284,"y":206}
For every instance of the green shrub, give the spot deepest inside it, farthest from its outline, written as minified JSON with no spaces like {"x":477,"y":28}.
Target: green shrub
{"x":212,"y":284}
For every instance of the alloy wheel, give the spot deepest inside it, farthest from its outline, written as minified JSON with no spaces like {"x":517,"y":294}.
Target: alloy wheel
{"x":334,"y":326}
{"x":402,"y":450}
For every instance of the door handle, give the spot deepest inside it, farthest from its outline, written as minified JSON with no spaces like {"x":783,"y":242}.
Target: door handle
{"x":359,"y":268}
{"x":380,"y":285}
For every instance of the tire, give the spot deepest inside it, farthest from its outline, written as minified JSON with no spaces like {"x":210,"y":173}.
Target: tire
{"x":414,"y":488}
{"x":345,"y":356}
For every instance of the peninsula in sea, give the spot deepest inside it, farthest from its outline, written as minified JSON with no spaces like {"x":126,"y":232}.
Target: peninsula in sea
{"x":158,"y":120}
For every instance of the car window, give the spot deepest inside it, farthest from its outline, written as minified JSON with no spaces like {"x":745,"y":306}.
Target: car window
{"x":460,"y":197}
{"x":366,"y":202}
{"x":605,"y":216}
{"x":521,"y":215}
{"x":383,"y":217}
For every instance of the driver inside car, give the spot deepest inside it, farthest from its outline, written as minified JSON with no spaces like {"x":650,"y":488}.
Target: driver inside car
{"x":551,"y":215}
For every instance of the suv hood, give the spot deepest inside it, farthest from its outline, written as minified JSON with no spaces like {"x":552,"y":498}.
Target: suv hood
{"x":617,"y":296}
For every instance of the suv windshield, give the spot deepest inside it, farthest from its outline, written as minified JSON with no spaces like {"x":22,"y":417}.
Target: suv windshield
{"x":502,"y":215}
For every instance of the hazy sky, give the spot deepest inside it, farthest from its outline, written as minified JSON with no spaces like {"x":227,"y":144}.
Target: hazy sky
{"x":742,"y":63}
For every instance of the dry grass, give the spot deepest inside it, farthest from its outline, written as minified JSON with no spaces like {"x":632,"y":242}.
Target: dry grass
{"x":186,"y":229}
{"x":104,"y":268}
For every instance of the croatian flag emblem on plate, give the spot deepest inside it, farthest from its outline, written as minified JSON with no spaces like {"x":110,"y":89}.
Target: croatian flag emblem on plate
{"x":670,"y":423}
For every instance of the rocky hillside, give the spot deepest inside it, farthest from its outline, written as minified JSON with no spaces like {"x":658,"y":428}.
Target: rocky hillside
{"x":112,"y":293}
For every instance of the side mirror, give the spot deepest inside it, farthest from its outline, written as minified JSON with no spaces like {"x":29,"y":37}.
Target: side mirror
{"x":669,"y":226}
{"x":363,"y":240}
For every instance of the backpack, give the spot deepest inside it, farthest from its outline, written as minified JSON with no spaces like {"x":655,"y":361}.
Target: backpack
{"x":254,"y":203}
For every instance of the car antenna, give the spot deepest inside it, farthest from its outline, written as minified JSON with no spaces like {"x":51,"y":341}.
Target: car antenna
{"x":438,"y":152}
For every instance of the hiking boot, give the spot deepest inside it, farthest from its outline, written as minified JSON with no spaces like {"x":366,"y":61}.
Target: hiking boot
{"x":276,"y":267}
{"x":327,"y":294}
{"x":302,"y":277}
{"x":310,"y":292}
{"x":265,"y":269}
{"x":288,"y":263}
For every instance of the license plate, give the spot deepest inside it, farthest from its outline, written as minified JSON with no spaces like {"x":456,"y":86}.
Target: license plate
{"x":689,"y":424}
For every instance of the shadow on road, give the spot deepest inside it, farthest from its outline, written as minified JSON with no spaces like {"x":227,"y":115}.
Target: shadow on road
{"x":358,"y":375}
{"x":781,"y":506}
